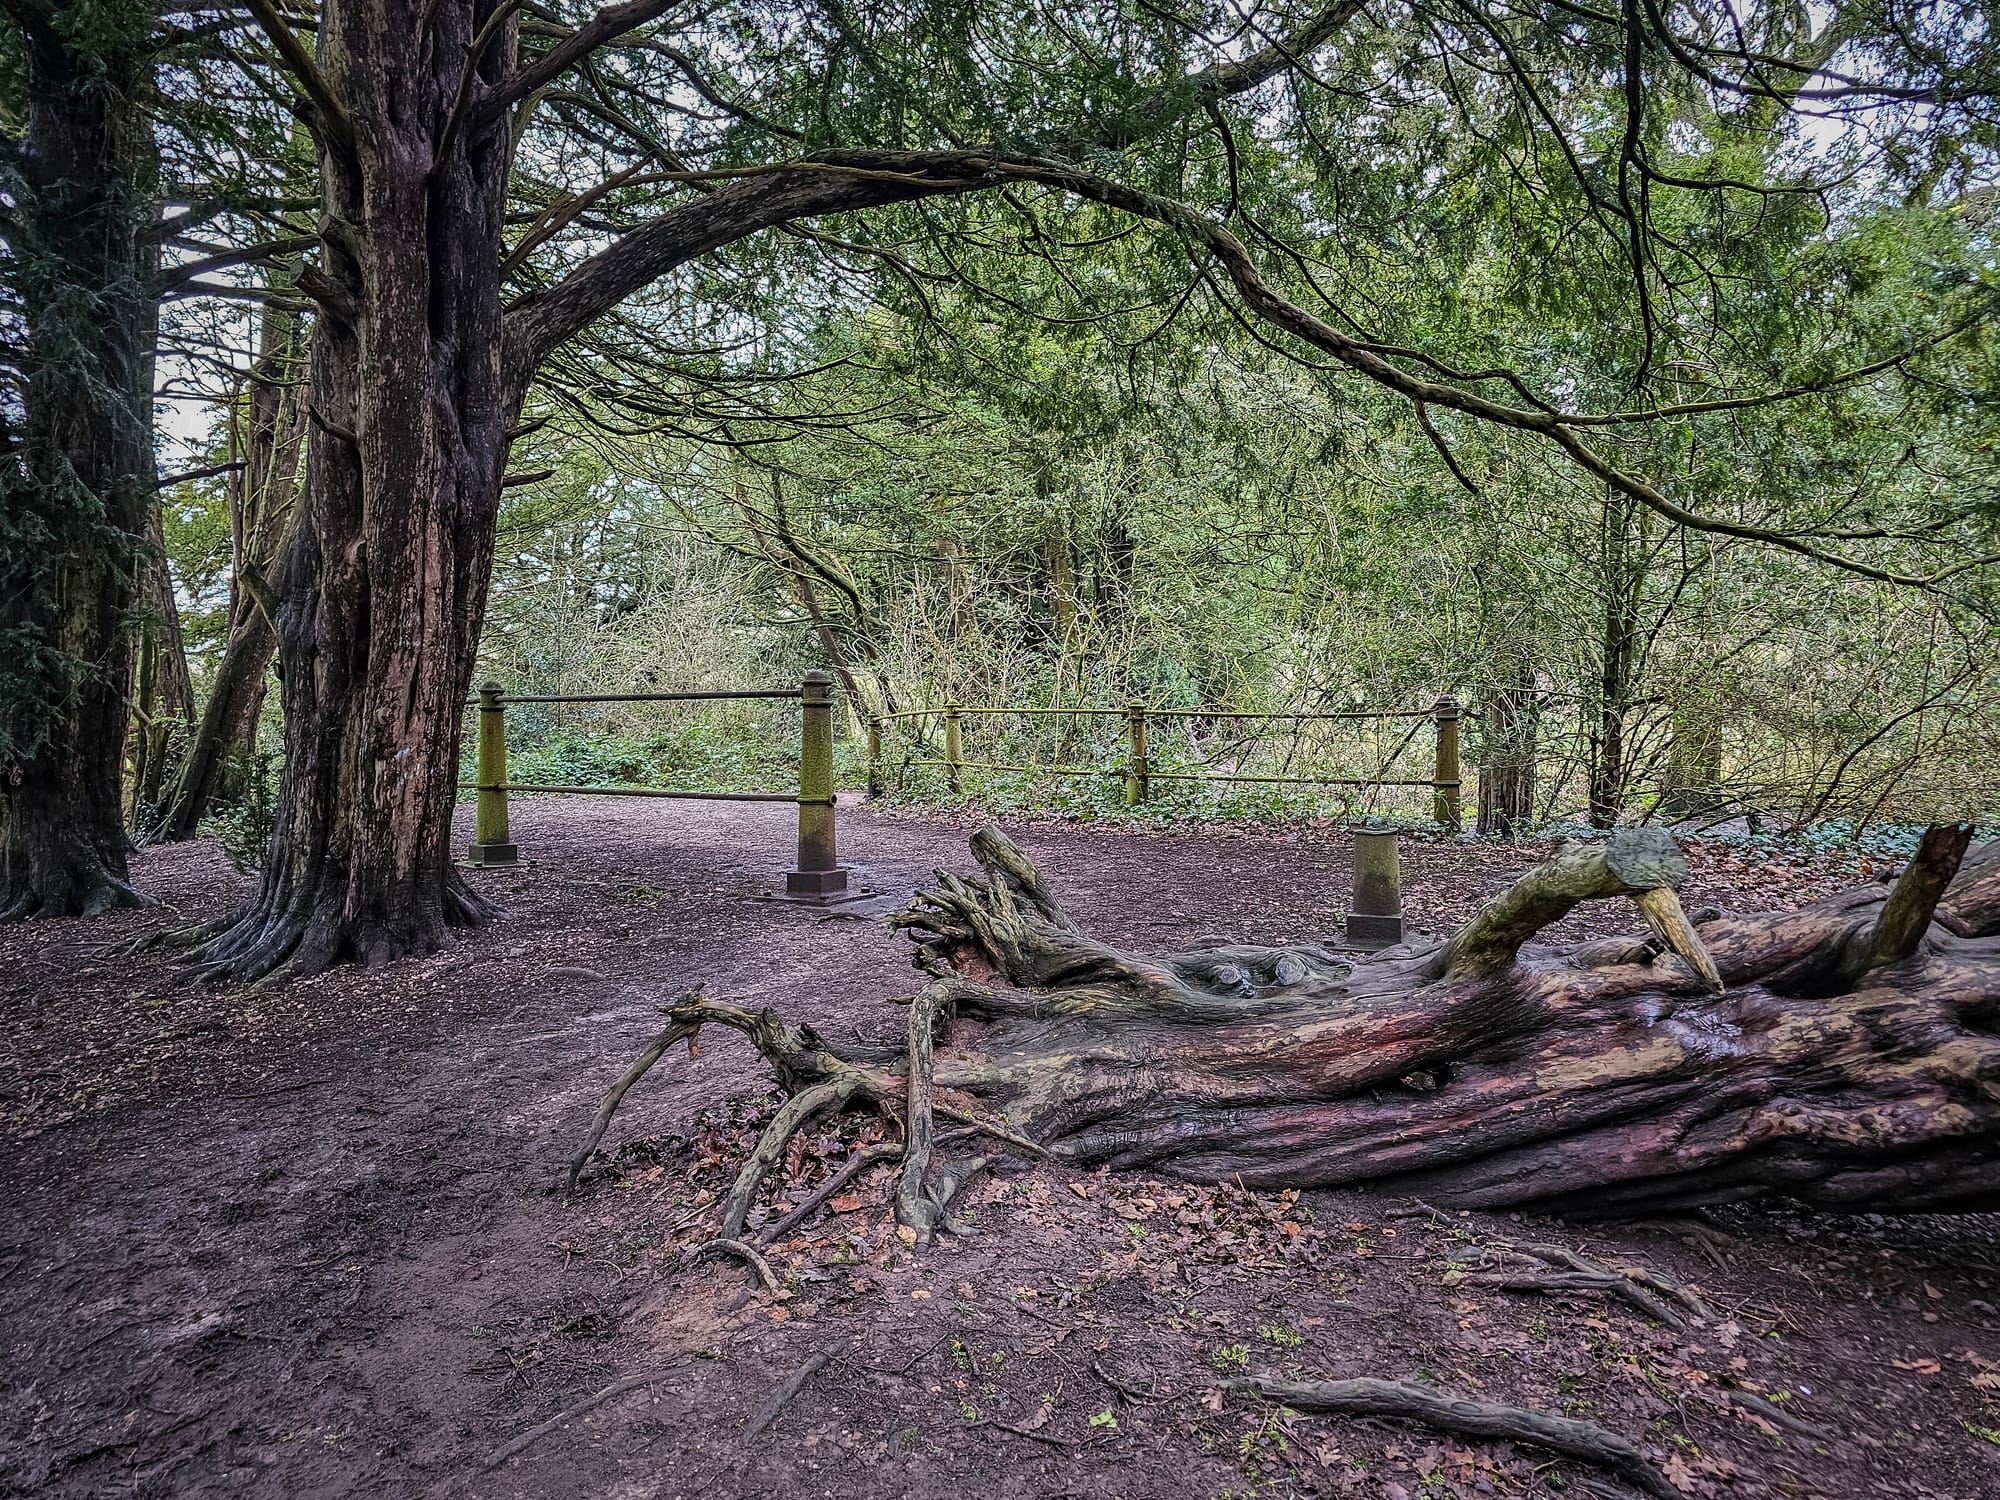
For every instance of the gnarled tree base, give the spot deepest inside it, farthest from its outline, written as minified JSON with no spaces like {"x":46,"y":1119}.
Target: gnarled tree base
{"x":1844,"y":1054}
{"x":52,"y":870}
{"x":295,"y":929}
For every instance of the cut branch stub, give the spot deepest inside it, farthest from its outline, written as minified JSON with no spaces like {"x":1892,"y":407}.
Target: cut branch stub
{"x":1907,"y":913}
{"x":1643,"y":863}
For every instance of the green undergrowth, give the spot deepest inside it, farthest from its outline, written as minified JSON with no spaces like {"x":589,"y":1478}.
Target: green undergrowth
{"x":695,"y":757}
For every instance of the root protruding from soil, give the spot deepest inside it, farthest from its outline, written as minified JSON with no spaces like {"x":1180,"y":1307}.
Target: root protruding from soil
{"x":1584,"y":1442}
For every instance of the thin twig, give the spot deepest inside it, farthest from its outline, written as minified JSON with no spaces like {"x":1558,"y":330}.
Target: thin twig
{"x":768,"y":1412}
{"x":541,"y":1430}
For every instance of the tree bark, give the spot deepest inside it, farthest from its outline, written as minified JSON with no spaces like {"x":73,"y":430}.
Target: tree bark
{"x":1844,"y":1054}
{"x":262,"y":492}
{"x":1622,"y":574}
{"x":381,"y":593}
{"x":1508,"y":728}
{"x":77,"y":472}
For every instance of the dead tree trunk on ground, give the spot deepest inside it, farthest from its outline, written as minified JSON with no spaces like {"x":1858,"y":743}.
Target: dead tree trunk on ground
{"x":1844,"y":1054}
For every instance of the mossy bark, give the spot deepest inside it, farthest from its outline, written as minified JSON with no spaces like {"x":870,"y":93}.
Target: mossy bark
{"x":75,"y":474}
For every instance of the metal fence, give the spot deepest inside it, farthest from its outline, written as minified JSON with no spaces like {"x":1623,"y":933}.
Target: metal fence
{"x":818,"y":871}
{"x":907,"y":739}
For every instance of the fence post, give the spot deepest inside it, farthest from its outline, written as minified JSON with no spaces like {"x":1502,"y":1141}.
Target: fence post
{"x":490,"y":843}
{"x":818,"y":873}
{"x":954,"y":754}
{"x":1444,"y":779}
{"x":1375,"y":920}
{"x":874,"y":755}
{"x":1138,"y":786}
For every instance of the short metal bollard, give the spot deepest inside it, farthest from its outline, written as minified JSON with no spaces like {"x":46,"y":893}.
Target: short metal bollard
{"x":1138,"y":768}
{"x":954,"y":751}
{"x":1375,"y":920}
{"x":491,"y":844}
{"x":1445,"y":778}
{"x":819,"y":873}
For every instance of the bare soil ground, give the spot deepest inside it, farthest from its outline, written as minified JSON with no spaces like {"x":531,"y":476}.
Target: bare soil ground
{"x":308,"y":1242}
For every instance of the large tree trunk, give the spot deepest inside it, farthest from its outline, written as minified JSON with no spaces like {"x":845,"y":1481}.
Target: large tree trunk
{"x":273,"y":428}
{"x":77,"y":473}
{"x":1851,"y":1061}
{"x":382,"y":591}
{"x":417,"y":380}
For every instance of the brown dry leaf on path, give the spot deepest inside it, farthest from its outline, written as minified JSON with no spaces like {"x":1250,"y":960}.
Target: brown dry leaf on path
{"x":1918,"y":1366}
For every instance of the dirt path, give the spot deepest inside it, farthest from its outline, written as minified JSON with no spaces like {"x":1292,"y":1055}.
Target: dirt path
{"x":306,"y":1243}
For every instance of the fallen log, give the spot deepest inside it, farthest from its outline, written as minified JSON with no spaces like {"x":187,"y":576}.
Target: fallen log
{"x":1844,"y":1054}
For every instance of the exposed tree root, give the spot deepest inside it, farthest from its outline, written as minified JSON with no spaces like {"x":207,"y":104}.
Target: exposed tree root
{"x":800,"y":1108}
{"x":1585,"y":1442}
{"x":1556,"y":1268}
{"x":775,"y":1402}
{"x":745,"y":1253}
{"x":522,"y":1441}
{"x":1774,"y":1414}
{"x":660,"y":1045}
{"x":82,"y":888}
{"x":859,"y":1162}
{"x":305,"y":922}
{"x":1845,"y":1054}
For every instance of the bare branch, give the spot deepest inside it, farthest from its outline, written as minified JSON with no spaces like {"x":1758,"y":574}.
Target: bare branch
{"x":332,"y":112}
{"x":606,"y":26}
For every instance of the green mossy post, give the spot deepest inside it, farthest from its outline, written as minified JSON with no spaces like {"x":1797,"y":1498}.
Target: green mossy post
{"x":819,"y":873}
{"x":874,"y":756}
{"x":954,"y":754}
{"x":1375,"y":920}
{"x":491,"y":844}
{"x":1138,"y":785}
{"x":1446,"y":810}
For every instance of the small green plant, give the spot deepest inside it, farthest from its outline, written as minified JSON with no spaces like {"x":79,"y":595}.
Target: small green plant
{"x":1232,"y":1357}
{"x":1104,"y":1420}
{"x":1278,"y":1334}
{"x":243,"y":825}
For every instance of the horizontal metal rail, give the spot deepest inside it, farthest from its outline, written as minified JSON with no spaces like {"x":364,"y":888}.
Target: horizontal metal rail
{"x":644,"y":697}
{"x":987,"y":765}
{"x":966,"y":713}
{"x":1155,"y":713}
{"x":1292,"y":780}
{"x":642,"y":791}
{"x":1237,"y":713}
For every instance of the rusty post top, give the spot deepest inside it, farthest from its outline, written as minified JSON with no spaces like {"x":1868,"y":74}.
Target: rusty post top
{"x":490,"y":688}
{"x":1447,"y":706}
{"x":818,"y":683}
